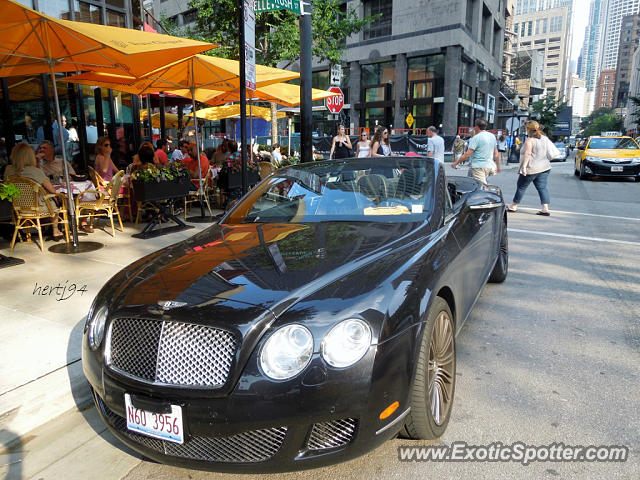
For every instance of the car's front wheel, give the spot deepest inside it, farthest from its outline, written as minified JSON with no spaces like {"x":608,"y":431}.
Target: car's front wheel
{"x":501,"y":268}
{"x":583,"y":175}
{"x":431,"y":397}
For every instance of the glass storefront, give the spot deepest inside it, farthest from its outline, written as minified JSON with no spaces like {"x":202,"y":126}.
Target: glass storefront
{"x":378,"y":93}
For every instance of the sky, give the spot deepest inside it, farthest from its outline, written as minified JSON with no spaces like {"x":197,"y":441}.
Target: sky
{"x":580,"y":19}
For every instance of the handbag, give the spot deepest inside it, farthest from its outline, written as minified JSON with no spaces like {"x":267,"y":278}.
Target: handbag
{"x":552,"y":150}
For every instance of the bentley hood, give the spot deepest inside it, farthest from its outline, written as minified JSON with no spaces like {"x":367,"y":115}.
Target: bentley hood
{"x":269,"y":266}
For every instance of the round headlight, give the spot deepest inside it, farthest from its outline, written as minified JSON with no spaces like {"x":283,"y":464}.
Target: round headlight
{"x":287,"y":352}
{"x":96,"y":323}
{"x":346,"y":343}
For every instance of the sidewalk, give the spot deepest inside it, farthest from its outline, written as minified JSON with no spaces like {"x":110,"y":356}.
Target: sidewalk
{"x":40,"y":370}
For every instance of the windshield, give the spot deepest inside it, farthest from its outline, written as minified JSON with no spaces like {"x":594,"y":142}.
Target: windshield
{"x":393,"y":189}
{"x":612,"y":143}
{"x":559,"y":145}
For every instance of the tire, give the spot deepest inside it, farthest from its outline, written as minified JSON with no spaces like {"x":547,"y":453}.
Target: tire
{"x":501,"y":268}
{"x":583,"y":175}
{"x":433,"y":389}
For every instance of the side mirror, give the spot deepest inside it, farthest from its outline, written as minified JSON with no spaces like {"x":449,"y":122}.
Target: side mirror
{"x":483,"y":200}
{"x":581,"y":147}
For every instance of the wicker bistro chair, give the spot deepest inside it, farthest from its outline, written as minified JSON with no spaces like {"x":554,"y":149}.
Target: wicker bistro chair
{"x":266,"y":169}
{"x":105,"y":205}
{"x":34,"y":204}
{"x":102,"y":185}
{"x":194,"y":196}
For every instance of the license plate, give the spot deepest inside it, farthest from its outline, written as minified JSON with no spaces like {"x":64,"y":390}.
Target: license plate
{"x":165,"y":426}
{"x":617,"y":168}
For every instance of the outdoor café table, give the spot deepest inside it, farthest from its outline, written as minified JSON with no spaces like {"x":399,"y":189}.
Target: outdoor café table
{"x":77,"y":188}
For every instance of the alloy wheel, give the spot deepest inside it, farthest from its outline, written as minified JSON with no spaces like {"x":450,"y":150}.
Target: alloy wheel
{"x":441,"y":368}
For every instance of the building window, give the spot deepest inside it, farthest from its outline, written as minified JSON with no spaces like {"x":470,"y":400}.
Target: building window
{"x":469,"y":20}
{"x":555,"y":25}
{"x":56,"y":8}
{"x":86,"y":12}
{"x":115,"y":19}
{"x":190,"y":16}
{"x":426,"y":76}
{"x":378,"y":73}
{"x":382,"y":26}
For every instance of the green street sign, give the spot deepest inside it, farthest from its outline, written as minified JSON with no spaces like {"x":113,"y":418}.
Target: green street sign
{"x":268,"y":5}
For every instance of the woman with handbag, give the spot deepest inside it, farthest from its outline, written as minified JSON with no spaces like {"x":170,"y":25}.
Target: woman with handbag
{"x":535,"y":166}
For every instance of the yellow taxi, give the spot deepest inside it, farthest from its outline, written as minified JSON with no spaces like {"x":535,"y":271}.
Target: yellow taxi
{"x":607,"y":156}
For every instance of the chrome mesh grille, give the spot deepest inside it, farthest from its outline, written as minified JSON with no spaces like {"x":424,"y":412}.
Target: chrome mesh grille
{"x":335,"y":433}
{"x":245,"y":447}
{"x":171,"y":353}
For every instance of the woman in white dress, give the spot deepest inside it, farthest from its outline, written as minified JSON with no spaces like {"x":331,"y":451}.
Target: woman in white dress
{"x":363,"y":147}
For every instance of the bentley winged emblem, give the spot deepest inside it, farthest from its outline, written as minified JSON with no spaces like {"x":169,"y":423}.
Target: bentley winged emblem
{"x":170,"y":304}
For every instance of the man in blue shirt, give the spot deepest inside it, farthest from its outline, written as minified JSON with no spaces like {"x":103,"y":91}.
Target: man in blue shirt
{"x":483,"y":151}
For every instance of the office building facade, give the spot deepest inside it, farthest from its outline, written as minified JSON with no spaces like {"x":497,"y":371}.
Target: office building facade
{"x":605,"y":89}
{"x":545,"y":26}
{"x":616,"y":11}
{"x":629,"y":40}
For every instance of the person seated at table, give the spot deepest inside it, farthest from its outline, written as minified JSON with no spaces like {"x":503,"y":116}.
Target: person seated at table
{"x":162,"y":147}
{"x":222,"y":152}
{"x":104,"y":165}
{"x":51,"y":164}
{"x":191,"y":162}
{"x":24,"y":164}
{"x":137,"y":163}
{"x":145,"y":157}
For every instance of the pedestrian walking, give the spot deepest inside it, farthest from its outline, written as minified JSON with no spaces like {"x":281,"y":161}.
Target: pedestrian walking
{"x":502,"y":148}
{"x":341,"y":146}
{"x":363,"y":147}
{"x":483,"y":152}
{"x":435,"y":146}
{"x":535,"y":166}
{"x":380,"y":143}
{"x":458,"y":147}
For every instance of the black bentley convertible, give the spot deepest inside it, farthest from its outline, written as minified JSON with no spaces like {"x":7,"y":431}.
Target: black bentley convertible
{"x":316,"y":321}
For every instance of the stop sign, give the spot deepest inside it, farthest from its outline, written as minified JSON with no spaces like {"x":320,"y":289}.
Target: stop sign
{"x":334,"y":104}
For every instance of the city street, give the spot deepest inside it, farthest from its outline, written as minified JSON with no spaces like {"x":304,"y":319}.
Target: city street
{"x":550,"y":356}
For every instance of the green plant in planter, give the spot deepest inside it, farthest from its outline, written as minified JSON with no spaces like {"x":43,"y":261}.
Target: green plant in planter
{"x":154,"y":173}
{"x":8,"y":191}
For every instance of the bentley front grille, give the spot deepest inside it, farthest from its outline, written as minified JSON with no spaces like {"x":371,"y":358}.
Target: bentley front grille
{"x":245,"y":447}
{"x":170,"y":353}
{"x":333,"y":434}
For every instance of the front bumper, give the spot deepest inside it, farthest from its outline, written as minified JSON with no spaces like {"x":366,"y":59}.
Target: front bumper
{"x":321,"y":417}
{"x":603,"y":169}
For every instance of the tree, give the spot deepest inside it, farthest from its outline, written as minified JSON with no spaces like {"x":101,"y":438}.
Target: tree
{"x":277,"y":32}
{"x":595,"y":114}
{"x":608,"y":122}
{"x":548,"y":109}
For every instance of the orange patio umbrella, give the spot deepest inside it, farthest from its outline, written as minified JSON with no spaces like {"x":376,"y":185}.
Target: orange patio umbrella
{"x":34,"y":43}
{"x":194,"y":74}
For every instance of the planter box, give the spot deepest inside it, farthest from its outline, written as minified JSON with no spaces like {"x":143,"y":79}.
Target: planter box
{"x":156,"y":191}
{"x":232,"y":180}
{"x":6,"y":209}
